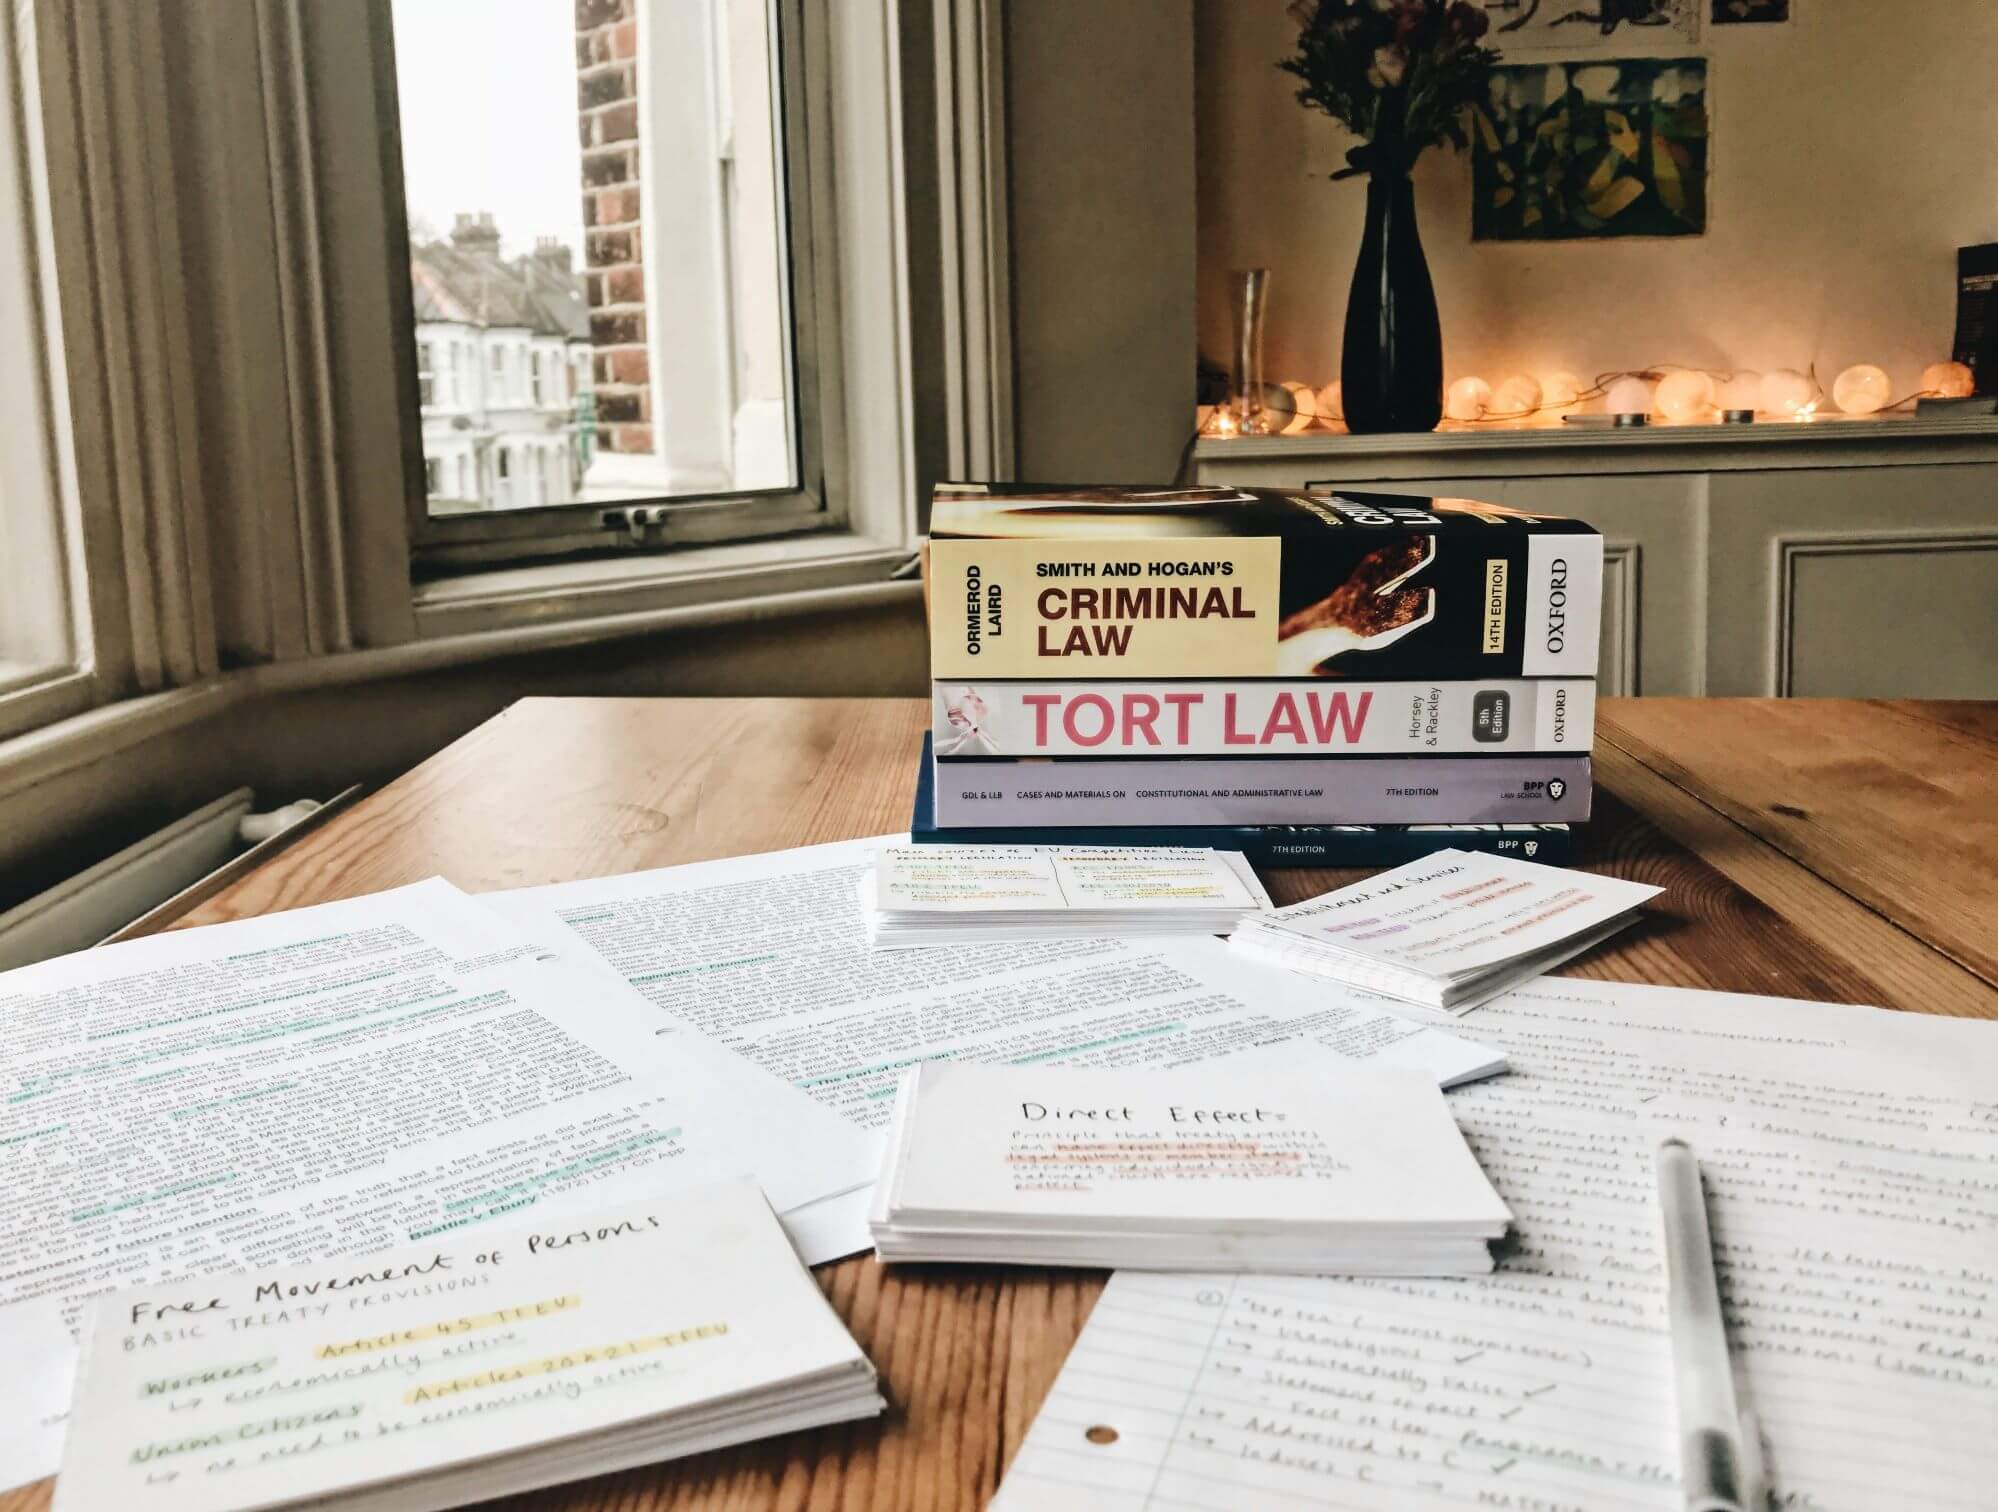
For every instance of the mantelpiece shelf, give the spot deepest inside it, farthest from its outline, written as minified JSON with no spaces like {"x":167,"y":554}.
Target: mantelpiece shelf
{"x":1764,"y":444}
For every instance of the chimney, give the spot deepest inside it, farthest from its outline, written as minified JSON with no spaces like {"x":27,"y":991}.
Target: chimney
{"x":476,"y":233}
{"x":552,"y":252}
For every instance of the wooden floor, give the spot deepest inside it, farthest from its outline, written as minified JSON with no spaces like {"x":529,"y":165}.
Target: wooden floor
{"x":1843,"y":851}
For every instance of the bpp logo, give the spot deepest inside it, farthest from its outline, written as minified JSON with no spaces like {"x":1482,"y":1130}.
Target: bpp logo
{"x":1532,"y":846}
{"x":1556,"y":788}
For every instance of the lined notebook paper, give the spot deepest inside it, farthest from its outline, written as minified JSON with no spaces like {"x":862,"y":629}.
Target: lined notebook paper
{"x":1851,"y":1161}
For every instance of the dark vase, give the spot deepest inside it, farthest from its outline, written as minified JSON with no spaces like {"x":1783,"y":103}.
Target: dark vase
{"x":1391,"y":367}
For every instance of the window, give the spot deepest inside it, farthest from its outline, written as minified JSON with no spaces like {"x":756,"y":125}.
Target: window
{"x":540,"y":153}
{"x":39,"y":643}
{"x":318,"y":490}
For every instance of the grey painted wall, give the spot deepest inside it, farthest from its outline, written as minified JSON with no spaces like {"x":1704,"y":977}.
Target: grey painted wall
{"x":1099,"y":114}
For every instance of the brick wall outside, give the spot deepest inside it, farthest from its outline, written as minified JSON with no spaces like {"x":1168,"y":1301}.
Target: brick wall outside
{"x":613,"y":259}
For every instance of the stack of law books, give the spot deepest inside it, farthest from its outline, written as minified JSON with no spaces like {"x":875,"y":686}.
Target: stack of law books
{"x":1270,"y":1160}
{"x":1312,"y":678}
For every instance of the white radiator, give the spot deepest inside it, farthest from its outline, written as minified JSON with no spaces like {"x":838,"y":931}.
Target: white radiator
{"x":76,"y":914}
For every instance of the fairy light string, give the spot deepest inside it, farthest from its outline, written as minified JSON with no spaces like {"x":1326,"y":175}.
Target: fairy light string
{"x":1224,"y":421}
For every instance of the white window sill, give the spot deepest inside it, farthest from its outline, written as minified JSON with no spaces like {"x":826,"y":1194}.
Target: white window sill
{"x":578,"y":595}
{"x":494,"y":614}
{"x":15,"y":675}
{"x":32,"y":696}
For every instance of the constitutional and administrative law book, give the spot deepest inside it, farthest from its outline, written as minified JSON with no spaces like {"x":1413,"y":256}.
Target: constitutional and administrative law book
{"x":1048,"y":583}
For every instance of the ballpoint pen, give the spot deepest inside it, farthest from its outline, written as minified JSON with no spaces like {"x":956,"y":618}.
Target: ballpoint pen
{"x":1716,"y":1471}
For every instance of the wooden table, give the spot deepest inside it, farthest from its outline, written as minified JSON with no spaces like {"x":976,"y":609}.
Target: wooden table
{"x":1836,"y":850}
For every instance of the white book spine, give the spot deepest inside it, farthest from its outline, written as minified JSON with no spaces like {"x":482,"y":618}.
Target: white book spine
{"x":1312,"y":716}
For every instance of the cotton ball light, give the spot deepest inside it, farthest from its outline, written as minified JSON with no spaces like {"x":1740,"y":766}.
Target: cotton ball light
{"x":1332,"y":401}
{"x":1628,"y":396}
{"x":1516,"y":397}
{"x":1303,"y":408}
{"x":1467,"y":399}
{"x":1786,"y":392}
{"x":1741,"y":391}
{"x":1561,"y":391}
{"x":1685,"y":395}
{"x":1948,"y":380}
{"x":1862,"y":389}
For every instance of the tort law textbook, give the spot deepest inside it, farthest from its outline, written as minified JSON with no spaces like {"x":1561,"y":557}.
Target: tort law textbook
{"x":1263,"y":717}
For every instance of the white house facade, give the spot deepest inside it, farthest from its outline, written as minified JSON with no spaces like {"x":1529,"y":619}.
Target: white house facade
{"x":503,"y":372}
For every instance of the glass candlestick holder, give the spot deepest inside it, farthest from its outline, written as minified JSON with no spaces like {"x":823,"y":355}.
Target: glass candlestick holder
{"x":1251,"y":291}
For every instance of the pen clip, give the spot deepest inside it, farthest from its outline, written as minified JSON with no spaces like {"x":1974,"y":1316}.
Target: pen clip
{"x":1754,"y":1468}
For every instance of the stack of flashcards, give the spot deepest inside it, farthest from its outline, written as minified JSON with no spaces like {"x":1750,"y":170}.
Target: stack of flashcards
{"x":1279,"y":1160}
{"x":1448,"y":932}
{"x":469,"y":1365}
{"x":971,"y":894}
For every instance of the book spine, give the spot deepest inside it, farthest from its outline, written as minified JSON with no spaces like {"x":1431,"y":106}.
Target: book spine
{"x":1290,"y":790}
{"x":1296,"y":845}
{"x":1264,"y":718}
{"x":1439,"y":606}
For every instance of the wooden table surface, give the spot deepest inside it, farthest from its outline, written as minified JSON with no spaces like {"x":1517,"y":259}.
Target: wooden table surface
{"x":1837,"y":850}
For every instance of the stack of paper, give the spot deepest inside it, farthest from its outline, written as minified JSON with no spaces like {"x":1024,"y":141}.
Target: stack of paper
{"x":463,"y":1368}
{"x":1846,"y":1154}
{"x":1286,"y":1160}
{"x":969,"y":894}
{"x":342,"y":1080}
{"x":1448,"y":932}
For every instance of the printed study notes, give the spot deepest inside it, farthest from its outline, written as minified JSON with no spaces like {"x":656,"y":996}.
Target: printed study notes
{"x":767,"y":954}
{"x":1284,"y":1160}
{"x":469,"y":1366}
{"x":1851,"y":1165}
{"x":334,"y":1081}
{"x":1447,"y":932}
{"x":973,"y":894}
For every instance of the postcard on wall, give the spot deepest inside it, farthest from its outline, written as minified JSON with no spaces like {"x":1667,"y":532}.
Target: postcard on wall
{"x":1563,"y":28}
{"x":1581,"y":151}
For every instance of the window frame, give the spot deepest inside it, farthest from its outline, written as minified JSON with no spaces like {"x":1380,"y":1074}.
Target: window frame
{"x":232,"y":535}
{"x":508,"y":537}
{"x":58,"y":675}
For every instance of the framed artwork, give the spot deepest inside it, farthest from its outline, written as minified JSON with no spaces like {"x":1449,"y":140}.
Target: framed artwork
{"x":1563,"y":28}
{"x":1729,"y":12}
{"x":1585,"y":150}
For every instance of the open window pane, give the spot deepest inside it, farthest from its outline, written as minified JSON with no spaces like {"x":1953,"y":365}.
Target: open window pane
{"x":37,"y":640}
{"x":597,"y":250}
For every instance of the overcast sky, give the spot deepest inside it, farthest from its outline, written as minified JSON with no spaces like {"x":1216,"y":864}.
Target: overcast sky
{"x":488,"y":93}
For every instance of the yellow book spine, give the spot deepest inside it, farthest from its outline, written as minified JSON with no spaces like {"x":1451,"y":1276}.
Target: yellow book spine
{"x":1201,"y":606}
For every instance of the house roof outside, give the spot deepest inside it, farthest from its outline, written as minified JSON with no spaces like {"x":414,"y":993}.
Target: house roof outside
{"x":465,"y":281}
